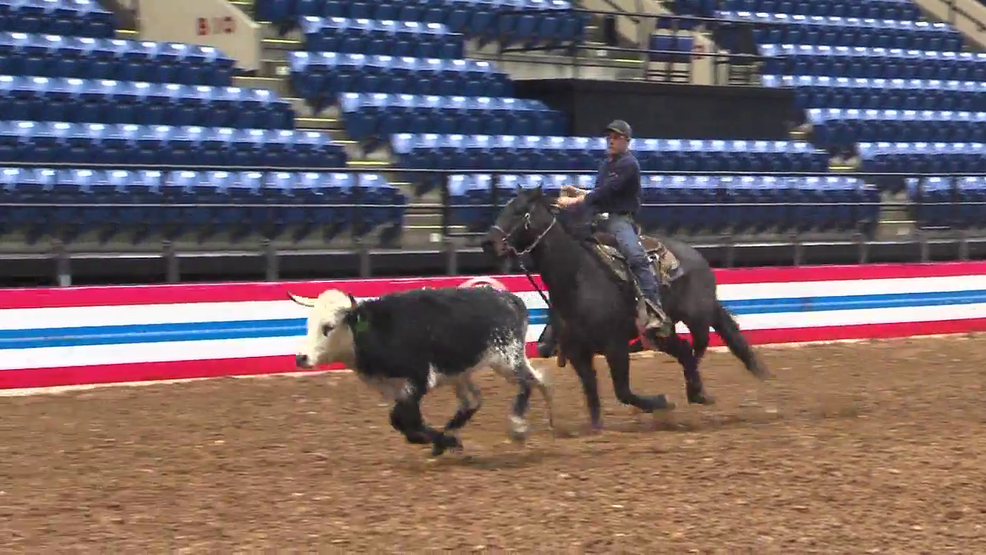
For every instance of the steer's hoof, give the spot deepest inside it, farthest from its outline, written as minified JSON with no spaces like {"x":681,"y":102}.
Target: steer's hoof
{"x":519,"y":429}
{"x":445,"y":443}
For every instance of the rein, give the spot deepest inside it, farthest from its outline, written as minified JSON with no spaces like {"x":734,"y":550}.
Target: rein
{"x":518,"y":254}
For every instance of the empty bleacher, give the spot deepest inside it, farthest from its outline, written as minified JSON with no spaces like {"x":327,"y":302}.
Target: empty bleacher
{"x":877,"y":86}
{"x":110,"y":101}
{"x":870,"y":77}
{"x":107,"y":58}
{"x":448,"y":21}
{"x":436,"y":110}
{"x":748,"y":204}
{"x":79,"y":104}
{"x":276,"y":202}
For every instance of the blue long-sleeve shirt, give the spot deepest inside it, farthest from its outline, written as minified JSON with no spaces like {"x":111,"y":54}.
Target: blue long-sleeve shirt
{"x":617,"y":186}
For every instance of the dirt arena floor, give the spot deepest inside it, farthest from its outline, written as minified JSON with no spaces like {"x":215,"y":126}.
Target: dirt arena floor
{"x":861,"y":448}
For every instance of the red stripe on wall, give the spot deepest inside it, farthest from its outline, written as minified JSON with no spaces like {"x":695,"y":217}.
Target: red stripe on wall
{"x":115,"y":373}
{"x":64,"y":297}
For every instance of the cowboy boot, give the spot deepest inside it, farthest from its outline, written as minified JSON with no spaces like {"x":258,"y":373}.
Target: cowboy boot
{"x":657,"y":322}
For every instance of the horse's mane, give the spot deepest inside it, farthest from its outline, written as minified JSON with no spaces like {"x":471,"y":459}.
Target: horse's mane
{"x":576,"y":222}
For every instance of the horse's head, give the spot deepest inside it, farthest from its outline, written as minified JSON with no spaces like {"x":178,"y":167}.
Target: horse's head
{"x":521,"y":224}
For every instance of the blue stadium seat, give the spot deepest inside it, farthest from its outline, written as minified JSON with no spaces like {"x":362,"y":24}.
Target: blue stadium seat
{"x":882,"y":94}
{"x":936,"y":202}
{"x":550,"y":22}
{"x":536,"y":153}
{"x":81,"y":18}
{"x":116,"y":59}
{"x":675,"y":48}
{"x":779,"y":28}
{"x":740,"y":203}
{"x":872,"y":62}
{"x":839,"y":127}
{"x":320,"y":77}
{"x":106,"y":101}
{"x":380,"y":114}
{"x":62,"y":142}
{"x":381,"y":38}
{"x":887,"y":157}
{"x":221,"y":197}
{"x":902,"y":10}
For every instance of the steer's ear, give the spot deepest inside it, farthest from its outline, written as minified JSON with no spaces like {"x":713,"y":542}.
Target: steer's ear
{"x":352,"y":300}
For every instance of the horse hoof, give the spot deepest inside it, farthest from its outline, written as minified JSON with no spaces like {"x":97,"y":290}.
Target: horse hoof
{"x":661,"y":403}
{"x":701,"y":399}
{"x":698,"y":396}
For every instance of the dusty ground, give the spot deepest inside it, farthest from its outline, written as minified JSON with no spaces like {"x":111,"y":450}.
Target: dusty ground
{"x":875,"y":448}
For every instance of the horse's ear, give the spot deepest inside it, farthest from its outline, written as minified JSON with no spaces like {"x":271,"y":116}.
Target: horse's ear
{"x":537,"y":191}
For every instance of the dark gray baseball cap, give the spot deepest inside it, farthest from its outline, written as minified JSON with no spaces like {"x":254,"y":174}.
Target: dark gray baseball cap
{"x":621,"y":127}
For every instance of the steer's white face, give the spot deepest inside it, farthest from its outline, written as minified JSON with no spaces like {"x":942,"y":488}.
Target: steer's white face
{"x":328,"y":339}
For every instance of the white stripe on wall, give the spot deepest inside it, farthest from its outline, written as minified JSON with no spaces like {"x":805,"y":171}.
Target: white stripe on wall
{"x":850,"y":287}
{"x":47,"y":357}
{"x":238,"y":348}
{"x":44,"y":318}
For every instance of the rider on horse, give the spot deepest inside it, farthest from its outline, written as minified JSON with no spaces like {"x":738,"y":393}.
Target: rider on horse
{"x":617,"y":192}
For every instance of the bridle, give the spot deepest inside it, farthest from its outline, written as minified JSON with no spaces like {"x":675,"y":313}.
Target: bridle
{"x":526,"y":223}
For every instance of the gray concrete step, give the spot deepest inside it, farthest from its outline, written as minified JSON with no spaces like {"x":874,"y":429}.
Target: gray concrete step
{"x":277,"y":84}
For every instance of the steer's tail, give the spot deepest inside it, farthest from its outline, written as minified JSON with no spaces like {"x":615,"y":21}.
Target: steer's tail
{"x":729,"y":331}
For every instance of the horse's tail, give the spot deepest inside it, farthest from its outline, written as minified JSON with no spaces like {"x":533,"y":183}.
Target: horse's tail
{"x":729,"y":331}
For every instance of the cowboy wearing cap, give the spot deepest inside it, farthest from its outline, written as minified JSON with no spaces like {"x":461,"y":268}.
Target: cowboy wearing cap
{"x":617,"y":192}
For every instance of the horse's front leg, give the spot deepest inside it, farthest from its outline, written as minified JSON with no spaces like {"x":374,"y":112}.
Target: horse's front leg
{"x":582,"y":361}
{"x":618,"y":360}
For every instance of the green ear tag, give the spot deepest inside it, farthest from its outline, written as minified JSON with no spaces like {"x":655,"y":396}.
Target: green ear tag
{"x":361,"y":325}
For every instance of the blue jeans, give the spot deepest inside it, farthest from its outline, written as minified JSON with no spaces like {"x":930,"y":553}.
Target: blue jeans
{"x":622,"y":228}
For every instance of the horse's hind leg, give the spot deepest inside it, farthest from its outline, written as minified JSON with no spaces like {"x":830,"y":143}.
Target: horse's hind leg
{"x":619,"y":369}
{"x":681,"y":350}
{"x":700,"y":340}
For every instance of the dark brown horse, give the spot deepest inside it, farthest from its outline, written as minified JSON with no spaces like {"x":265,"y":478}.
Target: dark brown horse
{"x":594,"y":312}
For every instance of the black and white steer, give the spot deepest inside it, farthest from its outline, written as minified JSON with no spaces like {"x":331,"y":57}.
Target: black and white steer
{"x":407,"y":344}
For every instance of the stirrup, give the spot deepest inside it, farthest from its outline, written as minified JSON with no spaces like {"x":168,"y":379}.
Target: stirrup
{"x":663,"y":326}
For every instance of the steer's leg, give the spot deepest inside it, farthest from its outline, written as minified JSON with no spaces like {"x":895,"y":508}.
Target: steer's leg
{"x":527,"y":377}
{"x":470,"y":399}
{"x":515,"y":367}
{"x":406,"y":417}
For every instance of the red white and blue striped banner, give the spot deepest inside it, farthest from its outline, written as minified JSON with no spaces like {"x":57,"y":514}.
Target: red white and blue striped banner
{"x":85,"y":335}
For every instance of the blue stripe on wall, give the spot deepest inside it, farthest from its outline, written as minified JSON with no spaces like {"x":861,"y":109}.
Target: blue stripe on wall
{"x":288,"y":327}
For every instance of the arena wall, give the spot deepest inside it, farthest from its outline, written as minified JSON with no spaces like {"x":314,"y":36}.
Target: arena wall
{"x":88,"y":335}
